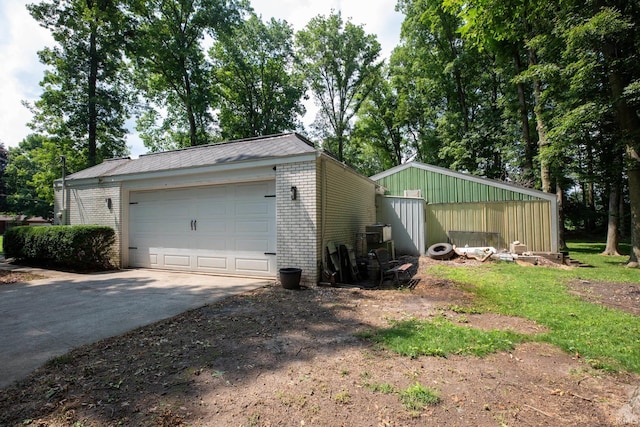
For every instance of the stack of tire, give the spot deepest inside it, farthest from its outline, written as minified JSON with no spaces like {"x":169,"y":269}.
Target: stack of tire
{"x":441,"y":251}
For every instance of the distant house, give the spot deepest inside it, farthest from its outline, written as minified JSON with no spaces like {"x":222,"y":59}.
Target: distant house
{"x":7,"y":221}
{"x":247,"y":207}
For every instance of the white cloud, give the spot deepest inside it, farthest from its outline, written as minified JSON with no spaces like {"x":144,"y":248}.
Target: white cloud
{"x":21,"y":37}
{"x":376,"y":16}
{"x":20,"y":71}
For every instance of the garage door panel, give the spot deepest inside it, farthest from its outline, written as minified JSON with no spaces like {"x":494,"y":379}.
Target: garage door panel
{"x":177,"y":261}
{"x":212,"y":208}
{"x":212,"y":226}
{"x":212,"y":263}
{"x":249,"y":209}
{"x":211,"y":246}
{"x":144,"y":259}
{"x":246,"y":226}
{"x":249,"y":265}
{"x":226,"y":229}
{"x":252,"y":245}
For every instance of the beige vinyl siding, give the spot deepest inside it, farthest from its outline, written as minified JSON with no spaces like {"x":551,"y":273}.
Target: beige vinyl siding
{"x":346,"y":202}
{"x":526,"y":221}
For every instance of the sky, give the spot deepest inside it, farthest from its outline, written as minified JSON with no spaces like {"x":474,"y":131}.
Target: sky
{"x":21,"y":37}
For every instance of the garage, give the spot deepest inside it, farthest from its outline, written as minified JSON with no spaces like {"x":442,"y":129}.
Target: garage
{"x":239,"y":208}
{"x":226,"y":229}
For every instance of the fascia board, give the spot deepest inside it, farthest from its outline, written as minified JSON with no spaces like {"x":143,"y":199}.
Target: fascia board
{"x":194,"y":170}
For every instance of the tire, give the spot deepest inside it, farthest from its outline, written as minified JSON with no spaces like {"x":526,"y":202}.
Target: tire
{"x":440,"y":251}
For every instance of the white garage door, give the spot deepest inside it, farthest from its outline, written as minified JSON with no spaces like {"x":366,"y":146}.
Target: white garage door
{"x":227,"y":229}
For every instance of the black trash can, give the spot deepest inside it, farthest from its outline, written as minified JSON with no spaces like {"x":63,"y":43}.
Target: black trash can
{"x":290,"y":277}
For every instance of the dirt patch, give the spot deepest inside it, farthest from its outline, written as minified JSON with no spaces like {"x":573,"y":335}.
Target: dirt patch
{"x":622,"y":296}
{"x":281,"y":357}
{"x":8,"y":277}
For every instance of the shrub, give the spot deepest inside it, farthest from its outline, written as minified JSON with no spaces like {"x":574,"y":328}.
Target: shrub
{"x":67,"y":246}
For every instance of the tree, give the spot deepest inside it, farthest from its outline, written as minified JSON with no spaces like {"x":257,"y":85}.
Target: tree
{"x":85,"y":94}
{"x":260,"y":93}
{"x":340,"y":62}
{"x":605,"y":33}
{"x":172,"y":72}
{"x":450,"y":93}
{"x":32,"y":166}
{"x":378,"y":132}
{"x":3,"y":184}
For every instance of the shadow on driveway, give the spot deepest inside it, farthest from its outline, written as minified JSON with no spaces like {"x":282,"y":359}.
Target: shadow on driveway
{"x":48,"y":317}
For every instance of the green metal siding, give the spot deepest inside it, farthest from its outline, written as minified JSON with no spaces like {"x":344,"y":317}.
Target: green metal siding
{"x":440,"y":188}
{"x":526,"y":221}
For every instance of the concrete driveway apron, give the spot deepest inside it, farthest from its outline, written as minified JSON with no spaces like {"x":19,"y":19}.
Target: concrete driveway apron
{"x":48,"y":317}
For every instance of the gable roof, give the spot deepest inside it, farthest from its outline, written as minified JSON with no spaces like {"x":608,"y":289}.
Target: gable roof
{"x":273,"y":146}
{"x":473,"y":178}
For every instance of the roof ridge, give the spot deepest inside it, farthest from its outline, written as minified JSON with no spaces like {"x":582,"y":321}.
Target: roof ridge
{"x":233,"y":141}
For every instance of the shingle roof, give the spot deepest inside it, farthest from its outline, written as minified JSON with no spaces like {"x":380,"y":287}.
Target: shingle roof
{"x":204,"y":155}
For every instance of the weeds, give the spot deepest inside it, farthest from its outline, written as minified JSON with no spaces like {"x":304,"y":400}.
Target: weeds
{"x":343,"y":397}
{"x":417,"y":396}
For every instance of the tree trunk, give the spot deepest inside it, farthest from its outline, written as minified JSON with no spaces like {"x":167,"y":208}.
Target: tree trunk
{"x":543,"y":140}
{"x":529,"y":147}
{"x":629,"y":123}
{"x":462,"y":100}
{"x":562,"y":245}
{"x":92,"y":98}
{"x":622,"y":223}
{"x":193,"y":128}
{"x":614,"y":220}
{"x":634,"y":196}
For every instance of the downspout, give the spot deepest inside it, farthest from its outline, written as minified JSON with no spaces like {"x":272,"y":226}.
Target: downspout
{"x":63,"y":219}
{"x":323,"y":207}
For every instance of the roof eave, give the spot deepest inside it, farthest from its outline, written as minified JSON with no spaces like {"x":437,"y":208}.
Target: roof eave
{"x":191,"y":170}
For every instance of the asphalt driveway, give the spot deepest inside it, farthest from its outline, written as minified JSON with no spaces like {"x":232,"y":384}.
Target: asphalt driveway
{"x":46,"y":318}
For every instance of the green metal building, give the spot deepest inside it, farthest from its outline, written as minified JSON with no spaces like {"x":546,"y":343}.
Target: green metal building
{"x":466,"y":210}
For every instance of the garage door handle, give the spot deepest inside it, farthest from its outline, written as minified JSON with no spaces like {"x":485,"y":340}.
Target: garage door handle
{"x":269,"y":253}
{"x":191,"y":225}
{"x":195,"y":225}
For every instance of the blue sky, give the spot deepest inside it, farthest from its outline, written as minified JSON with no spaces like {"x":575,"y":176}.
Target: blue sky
{"x":21,"y":37}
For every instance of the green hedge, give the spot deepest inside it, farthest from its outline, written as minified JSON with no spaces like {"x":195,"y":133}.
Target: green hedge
{"x":85,"y":247}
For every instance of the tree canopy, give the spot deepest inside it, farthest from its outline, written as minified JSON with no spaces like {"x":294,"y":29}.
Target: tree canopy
{"x":260,"y":91}
{"x":540,"y":93}
{"x":341,"y":65}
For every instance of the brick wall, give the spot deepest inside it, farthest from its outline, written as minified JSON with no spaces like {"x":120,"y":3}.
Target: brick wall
{"x":297,"y":220}
{"x":89,"y":205}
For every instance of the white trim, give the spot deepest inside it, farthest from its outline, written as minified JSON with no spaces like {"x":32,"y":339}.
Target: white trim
{"x":194,"y":170}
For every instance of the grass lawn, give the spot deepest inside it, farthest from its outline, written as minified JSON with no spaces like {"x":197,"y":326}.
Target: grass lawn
{"x":1,"y":244}
{"x":608,"y":338}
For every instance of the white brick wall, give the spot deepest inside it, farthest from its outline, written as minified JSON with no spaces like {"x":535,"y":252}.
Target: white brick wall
{"x":88,"y":205}
{"x":297,"y":220}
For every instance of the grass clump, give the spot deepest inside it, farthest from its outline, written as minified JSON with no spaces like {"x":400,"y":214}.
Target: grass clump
{"x":343,"y":397}
{"x":384,"y":388}
{"x":440,"y":337}
{"x":417,"y":396}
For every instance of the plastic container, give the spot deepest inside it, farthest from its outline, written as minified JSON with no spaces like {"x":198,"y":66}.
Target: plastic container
{"x":290,"y":277}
